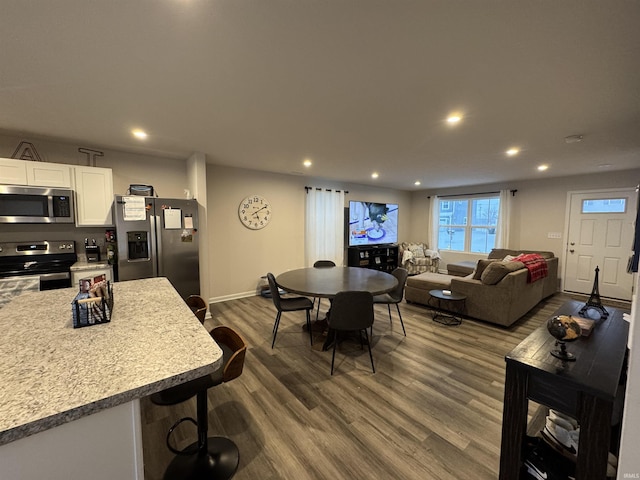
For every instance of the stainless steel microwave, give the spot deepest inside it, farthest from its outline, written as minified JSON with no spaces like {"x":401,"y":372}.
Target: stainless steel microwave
{"x":20,"y":204}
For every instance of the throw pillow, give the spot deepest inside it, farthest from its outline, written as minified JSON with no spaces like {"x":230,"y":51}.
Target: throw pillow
{"x":508,"y":258}
{"x":481,"y":266}
{"x":496,"y":271}
{"x":417,"y":250}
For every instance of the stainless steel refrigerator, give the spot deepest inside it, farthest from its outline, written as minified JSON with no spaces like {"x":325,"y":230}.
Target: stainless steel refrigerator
{"x":157,"y":237}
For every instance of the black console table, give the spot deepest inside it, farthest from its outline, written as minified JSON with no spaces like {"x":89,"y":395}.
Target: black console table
{"x":584,"y":389}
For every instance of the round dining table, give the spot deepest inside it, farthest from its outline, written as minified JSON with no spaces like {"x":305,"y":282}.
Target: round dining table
{"x":326,"y":282}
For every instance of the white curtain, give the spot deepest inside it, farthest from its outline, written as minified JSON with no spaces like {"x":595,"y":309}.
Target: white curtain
{"x":502,"y":232}
{"x":324,"y":226}
{"x":434,"y":223}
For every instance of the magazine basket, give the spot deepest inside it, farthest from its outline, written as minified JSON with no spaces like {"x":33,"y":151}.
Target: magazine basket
{"x":93,"y":310}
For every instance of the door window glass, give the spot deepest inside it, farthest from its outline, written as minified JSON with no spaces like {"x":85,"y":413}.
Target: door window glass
{"x":604,"y":205}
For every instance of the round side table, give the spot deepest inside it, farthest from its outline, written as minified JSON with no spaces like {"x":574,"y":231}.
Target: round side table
{"x":454,"y":302}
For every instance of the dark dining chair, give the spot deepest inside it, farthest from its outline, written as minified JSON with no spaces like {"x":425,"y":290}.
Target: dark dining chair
{"x":208,"y":457}
{"x":351,"y":311}
{"x":395,"y":296}
{"x":321,"y":264}
{"x":198,"y":306}
{"x":292,"y":304}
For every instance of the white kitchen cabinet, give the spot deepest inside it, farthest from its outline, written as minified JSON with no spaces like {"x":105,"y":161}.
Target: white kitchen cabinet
{"x":13,"y":172}
{"x":44,"y":174}
{"x":94,"y":196}
{"x":93,"y":186}
{"x":110,"y":447}
{"x":37,"y":174}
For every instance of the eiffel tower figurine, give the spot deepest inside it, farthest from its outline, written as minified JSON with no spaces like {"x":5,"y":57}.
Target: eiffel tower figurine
{"x":594,"y":300}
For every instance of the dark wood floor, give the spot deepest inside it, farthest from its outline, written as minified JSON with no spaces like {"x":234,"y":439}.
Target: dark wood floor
{"x":432,"y":410}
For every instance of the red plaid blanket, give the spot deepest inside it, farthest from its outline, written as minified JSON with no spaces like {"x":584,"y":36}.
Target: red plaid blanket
{"x":536,"y":265}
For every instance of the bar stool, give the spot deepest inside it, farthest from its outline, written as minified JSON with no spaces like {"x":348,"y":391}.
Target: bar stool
{"x":198,"y":306}
{"x":209,"y":457}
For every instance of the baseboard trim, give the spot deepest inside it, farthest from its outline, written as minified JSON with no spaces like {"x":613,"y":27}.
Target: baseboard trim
{"x":234,"y":296}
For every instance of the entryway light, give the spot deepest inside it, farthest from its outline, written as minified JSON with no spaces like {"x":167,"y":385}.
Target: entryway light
{"x":513,"y":151}
{"x":141,"y":134}
{"x":374,"y":175}
{"x":542,"y":168}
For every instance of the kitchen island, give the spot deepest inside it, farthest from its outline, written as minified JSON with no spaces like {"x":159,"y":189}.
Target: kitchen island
{"x":69,"y":403}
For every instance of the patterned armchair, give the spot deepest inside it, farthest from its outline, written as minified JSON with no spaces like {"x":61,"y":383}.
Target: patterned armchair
{"x":417,"y":258}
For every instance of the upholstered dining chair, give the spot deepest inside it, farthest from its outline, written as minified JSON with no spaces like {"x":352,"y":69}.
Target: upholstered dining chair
{"x":198,"y":306}
{"x":394,"y":297}
{"x":209,"y":457}
{"x":322,"y":264}
{"x":351,"y":311}
{"x":292,"y":304}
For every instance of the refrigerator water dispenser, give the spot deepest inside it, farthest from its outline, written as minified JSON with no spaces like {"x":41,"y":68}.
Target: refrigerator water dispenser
{"x":138,"y":246}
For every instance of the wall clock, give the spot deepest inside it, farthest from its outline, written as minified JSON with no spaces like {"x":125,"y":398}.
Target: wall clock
{"x":254,"y":212}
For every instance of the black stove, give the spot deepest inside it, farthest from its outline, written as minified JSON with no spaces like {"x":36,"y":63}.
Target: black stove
{"x":50,"y":261}
{"x":36,"y":258}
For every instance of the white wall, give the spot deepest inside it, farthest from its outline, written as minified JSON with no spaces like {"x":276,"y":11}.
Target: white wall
{"x":629,"y":459}
{"x":419,"y":224}
{"x":239,"y":256}
{"x":167,"y":175}
{"x":538,"y":207}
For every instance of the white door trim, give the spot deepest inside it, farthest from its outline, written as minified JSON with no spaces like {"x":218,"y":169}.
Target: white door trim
{"x":567,"y":221}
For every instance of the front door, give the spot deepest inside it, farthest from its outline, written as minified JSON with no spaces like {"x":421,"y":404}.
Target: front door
{"x":600,"y":234}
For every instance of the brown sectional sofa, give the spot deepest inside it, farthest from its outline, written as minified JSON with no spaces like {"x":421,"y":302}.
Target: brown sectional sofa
{"x":502,"y":303}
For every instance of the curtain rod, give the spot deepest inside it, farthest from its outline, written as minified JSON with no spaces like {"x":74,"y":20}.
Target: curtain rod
{"x":326,"y":189}
{"x":513,"y":194}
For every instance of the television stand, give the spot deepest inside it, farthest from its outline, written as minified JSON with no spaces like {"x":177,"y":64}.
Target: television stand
{"x":376,"y":257}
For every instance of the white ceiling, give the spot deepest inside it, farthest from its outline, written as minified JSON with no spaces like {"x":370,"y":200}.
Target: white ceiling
{"x":355,"y":85}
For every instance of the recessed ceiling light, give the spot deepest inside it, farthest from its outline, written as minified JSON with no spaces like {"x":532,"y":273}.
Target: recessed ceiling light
{"x":513,"y":151}
{"x":542,"y":168}
{"x":605,"y":165}
{"x":573,"y":138}
{"x":141,"y":134}
{"x":417,"y":182}
{"x":454,"y":119}
{"x":307,"y":163}
{"x":374,"y":175}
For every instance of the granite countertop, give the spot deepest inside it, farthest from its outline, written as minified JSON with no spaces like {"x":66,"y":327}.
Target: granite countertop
{"x":52,"y":373}
{"x":84,"y":265}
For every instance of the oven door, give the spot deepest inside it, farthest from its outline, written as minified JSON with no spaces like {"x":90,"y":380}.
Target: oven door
{"x":51,"y":281}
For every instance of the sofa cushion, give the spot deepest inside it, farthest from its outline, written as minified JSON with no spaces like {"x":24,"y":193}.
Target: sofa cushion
{"x":496,"y":271}
{"x":481,"y":266}
{"x":430,"y":281}
{"x":417,"y":250}
{"x":462,"y":268}
{"x":500,"y":253}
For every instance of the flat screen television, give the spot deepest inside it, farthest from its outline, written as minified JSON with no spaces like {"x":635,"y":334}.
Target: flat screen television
{"x":372,"y":223}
